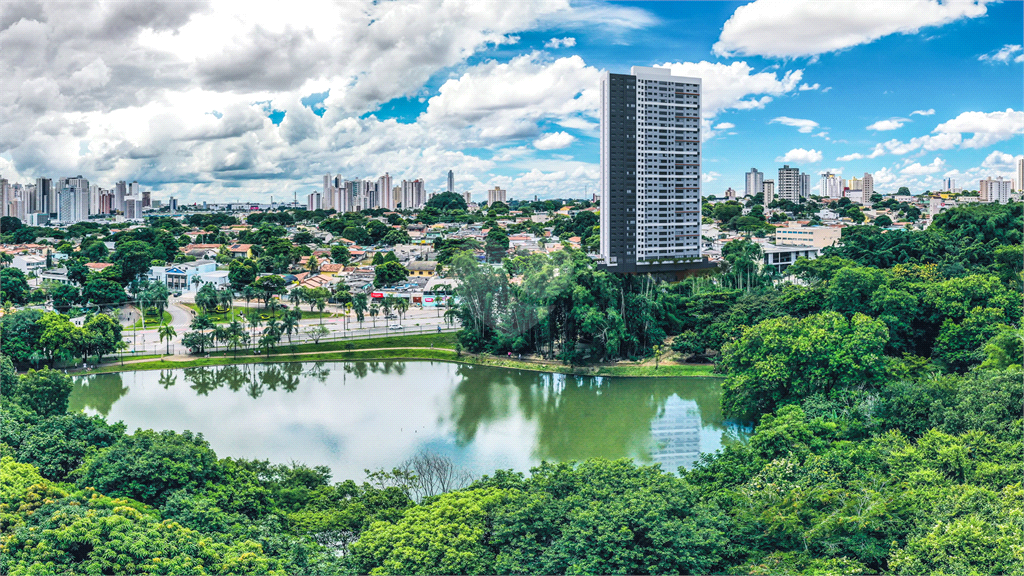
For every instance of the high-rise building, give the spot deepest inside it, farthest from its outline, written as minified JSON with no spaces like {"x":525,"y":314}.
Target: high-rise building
{"x":805,"y":185}
{"x":650,"y":170}
{"x":789,"y":184}
{"x":67,"y":205}
{"x":120,"y":191}
{"x":995,"y":190}
{"x":1020,"y":175}
{"x":755,"y":183}
{"x":173,"y":203}
{"x":468,"y":197}
{"x":81,"y":186}
{"x":6,"y":197}
{"x":831,"y":186}
{"x":451,"y":181}
{"x":384,"y":196}
{"x":769,"y":191}
{"x":313,"y":201}
{"x":94,"y":198}
{"x":413,"y":196}
{"x":132,"y":208}
{"x":868,"y":185}
{"x":147,"y":199}
{"x":948,"y":184}
{"x":496,"y":195}
{"x":45,"y":195}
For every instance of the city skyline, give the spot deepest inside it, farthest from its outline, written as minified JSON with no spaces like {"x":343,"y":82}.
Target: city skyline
{"x":154,"y":97}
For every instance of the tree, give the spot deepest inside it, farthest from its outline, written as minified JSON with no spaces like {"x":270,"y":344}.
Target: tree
{"x":133,"y":258}
{"x":783,"y":360}
{"x":290,"y":322}
{"x":269,"y":286}
{"x":104,"y":293}
{"x":447,"y":202}
{"x":374,"y":310}
{"x":167,"y":332}
{"x":341,"y":255}
{"x":206,"y":298}
{"x":389,"y":274}
{"x":196,"y":342}
{"x":64,"y":296}
{"x":316,"y":332}
{"x":960,"y":345}
{"x":13,"y":285}
{"x":59,"y":337}
{"x":496,"y":244}
{"x":77,"y":272}
{"x":19,"y":334}
{"x":9,"y":224}
{"x":242,"y":273}
{"x":359,"y":304}
{"x":356,"y":234}
{"x":882,"y":221}
{"x":44,"y":391}
{"x":101,"y":333}
{"x":396,"y":237}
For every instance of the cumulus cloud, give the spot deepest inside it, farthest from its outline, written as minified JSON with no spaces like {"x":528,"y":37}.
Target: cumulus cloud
{"x":554,"y":141}
{"x":986,"y":128}
{"x":927,"y":112}
{"x":724,"y":126}
{"x":917,"y":169}
{"x":709,"y":176}
{"x":815,"y":28}
{"x":891,"y":124}
{"x":802,"y":126}
{"x":801,"y":155}
{"x":1004,"y":55}
{"x":805,"y":87}
{"x":878,"y":151}
{"x":735,"y":86}
{"x":567,"y":42}
{"x":1001,"y":161}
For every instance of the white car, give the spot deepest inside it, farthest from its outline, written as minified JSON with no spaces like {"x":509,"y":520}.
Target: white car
{"x":395,"y":327}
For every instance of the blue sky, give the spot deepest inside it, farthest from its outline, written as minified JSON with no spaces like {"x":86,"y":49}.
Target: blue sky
{"x":225,"y":102}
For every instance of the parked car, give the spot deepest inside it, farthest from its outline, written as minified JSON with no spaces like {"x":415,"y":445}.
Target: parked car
{"x":396,"y":327}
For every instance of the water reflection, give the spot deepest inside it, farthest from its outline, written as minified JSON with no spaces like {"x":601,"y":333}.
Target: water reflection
{"x":358,"y":415}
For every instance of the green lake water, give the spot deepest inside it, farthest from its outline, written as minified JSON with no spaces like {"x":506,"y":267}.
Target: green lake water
{"x":353,"y":416}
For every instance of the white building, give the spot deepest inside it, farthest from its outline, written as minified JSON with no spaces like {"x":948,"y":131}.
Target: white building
{"x":67,"y":205}
{"x":132,"y":208}
{"x":868,"y":186}
{"x":384,"y":196}
{"x":313,"y":201}
{"x":413,"y":196}
{"x":997,"y":190}
{"x":769,"y":191}
{"x":789,"y":184}
{"x":831,"y":186}
{"x":1020,"y":175}
{"x":755,"y":183}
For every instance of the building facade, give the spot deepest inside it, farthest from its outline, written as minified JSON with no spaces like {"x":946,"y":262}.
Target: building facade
{"x":496,"y":195}
{"x":650,"y":171}
{"x":768,"y":190}
{"x":995,"y":190}
{"x":788,"y":184}
{"x":831,"y":186}
{"x":754,"y":184}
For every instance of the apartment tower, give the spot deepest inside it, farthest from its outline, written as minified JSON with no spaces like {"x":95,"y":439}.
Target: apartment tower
{"x":650,"y":171}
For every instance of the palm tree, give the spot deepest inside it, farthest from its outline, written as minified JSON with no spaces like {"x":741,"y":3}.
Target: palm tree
{"x":252,"y":317}
{"x":167,"y":332}
{"x":359,"y":305}
{"x":320,"y":304}
{"x":224,"y":299}
{"x":374,"y":310}
{"x":290,"y":322}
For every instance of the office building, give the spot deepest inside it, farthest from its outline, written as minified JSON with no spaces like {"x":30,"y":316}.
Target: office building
{"x":413,"y":195}
{"x":948,"y":184}
{"x":1020,"y":175}
{"x":789,"y":184}
{"x":134,"y":190}
{"x":67,"y":205}
{"x":755,"y":183}
{"x":120,"y":191}
{"x":769,"y":191}
{"x":5,"y":197}
{"x":650,"y":171}
{"x":468,"y":197}
{"x":995,"y":190}
{"x":80,"y":186}
{"x":805,"y":185}
{"x":496,"y":195}
{"x":132,"y":208}
{"x":45,"y":196}
{"x":868,"y":186}
{"x":313,"y":201}
{"x":451,"y":181}
{"x":173,"y":203}
{"x":794,"y":234}
{"x":831,"y":186}
{"x":147,"y":199}
{"x":94,"y":199}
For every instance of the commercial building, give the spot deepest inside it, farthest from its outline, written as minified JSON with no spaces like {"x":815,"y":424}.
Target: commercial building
{"x":313,"y":201}
{"x":769,"y":191}
{"x":755,"y":183}
{"x":413,"y":196}
{"x":650,"y":171}
{"x":496,"y":195}
{"x":133,"y":208}
{"x":44,"y":196}
{"x":120,"y":191}
{"x":797,"y":235}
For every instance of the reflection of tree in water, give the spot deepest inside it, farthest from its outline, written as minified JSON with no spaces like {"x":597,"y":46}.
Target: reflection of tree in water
{"x":167,"y":378}
{"x":361,"y":369}
{"x":577,"y":417}
{"x":318,"y":371}
{"x":235,"y":377}
{"x":203,"y":379}
{"x":98,"y":392}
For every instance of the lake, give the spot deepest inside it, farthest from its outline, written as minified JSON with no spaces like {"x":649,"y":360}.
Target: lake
{"x":353,"y":416}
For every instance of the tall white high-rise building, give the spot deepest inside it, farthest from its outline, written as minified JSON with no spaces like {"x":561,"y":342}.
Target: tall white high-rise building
{"x":313,"y":201}
{"x":67,"y":205}
{"x":805,"y":185}
{"x":831,"y":186}
{"x":451,"y":181}
{"x":496,"y":195}
{"x":413,"y":196}
{"x":995,"y":190}
{"x":1020,"y":175}
{"x":384,"y":196}
{"x":788,"y":186}
{"x":133,"y":208}
{"x":768,"y":189}
{"x":948,"y":184}
{"x":650,"y":171}
{"x":868,"y":185}
{"x":468,"y":197}
{"x":755,"y":183}
{"x":120,"y":191}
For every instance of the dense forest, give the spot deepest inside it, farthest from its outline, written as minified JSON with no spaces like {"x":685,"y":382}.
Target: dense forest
{"x":884,"y":383}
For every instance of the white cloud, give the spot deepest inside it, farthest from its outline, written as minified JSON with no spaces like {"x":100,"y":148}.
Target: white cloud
{"x":814,"y":28}
{"x":883,"y":176}
{"x":735,"y":86}
{"x":801,"y":155}
{"x":917,"y":169}
{"x":567,"y":42}
{"x":891,"y":124}
{"x":1004,"y":55}
{"x":927,"y":112}
{"x":878,"y":151}
{"x":554,"y":141}
{"x":709,"y":176}
{"x":987,"y":128}
{"x":1001,"y":161}
{"x":802,"y":126}
{"x":724,"y":126}
{"x":804,"y":87}
{"x":823,"y":90}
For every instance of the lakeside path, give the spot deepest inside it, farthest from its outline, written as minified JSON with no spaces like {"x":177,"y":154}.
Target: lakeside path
{"x":413,"y":353}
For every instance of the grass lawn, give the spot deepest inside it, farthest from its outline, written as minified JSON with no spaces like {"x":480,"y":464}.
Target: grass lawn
{"x":152,"y":321}
{"x":237,"y":313}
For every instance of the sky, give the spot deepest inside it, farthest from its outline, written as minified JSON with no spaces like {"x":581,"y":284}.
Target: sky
{"x":241,"y":101}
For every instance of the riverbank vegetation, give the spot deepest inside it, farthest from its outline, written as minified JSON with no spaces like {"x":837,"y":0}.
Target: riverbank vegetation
{"x":885,"y":386}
